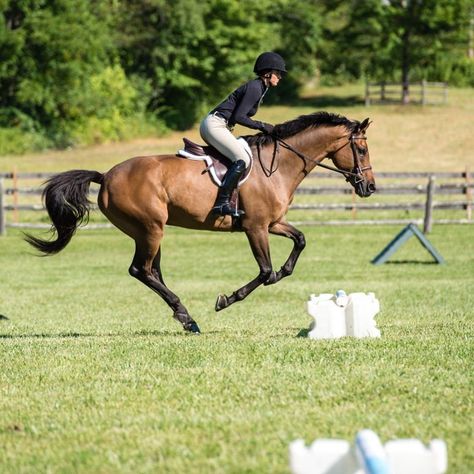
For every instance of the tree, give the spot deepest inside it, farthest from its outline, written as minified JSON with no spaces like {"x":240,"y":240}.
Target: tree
{"x":400,"y":39}
{"x":424,"y":29}
{"x":49,"y":50}
{"x":190,"y":54}
{"x":299,"y":26}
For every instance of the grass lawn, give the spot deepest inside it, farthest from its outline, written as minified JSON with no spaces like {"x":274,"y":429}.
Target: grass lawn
{"x":97,"y":377}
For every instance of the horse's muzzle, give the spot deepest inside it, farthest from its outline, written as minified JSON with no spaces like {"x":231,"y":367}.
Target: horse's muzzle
{"x":363,"y":188}
{"x":371,"y":188}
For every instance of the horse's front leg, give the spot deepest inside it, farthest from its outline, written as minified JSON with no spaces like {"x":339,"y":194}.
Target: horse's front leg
{"x":258,"y":239}
{"x":299,"y":243}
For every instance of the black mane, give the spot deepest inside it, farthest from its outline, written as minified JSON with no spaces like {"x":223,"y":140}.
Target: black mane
{"x":292,"y":127}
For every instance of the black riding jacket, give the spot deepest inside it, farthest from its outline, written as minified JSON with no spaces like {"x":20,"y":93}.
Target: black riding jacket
{"x":242,"y":104}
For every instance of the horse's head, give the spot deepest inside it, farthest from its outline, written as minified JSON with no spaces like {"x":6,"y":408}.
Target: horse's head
{"x":353,"y":158}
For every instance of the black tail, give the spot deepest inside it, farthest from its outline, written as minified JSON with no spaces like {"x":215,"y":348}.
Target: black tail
{"x":65,"y":198}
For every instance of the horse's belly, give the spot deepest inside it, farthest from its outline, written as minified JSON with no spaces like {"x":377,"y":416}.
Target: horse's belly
{"x":222,"y":224}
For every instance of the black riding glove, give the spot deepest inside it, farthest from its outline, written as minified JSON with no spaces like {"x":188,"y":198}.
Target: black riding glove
{"x":267,"y":128}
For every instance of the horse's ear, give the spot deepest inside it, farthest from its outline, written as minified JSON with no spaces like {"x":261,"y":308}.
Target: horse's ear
{"x":364,"y":125}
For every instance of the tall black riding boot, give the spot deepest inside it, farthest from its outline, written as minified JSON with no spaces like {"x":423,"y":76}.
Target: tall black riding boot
{"x":229,"y":183}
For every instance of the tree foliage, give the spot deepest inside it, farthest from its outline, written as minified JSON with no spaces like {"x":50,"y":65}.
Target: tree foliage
{"x":76,"y":71}
{"x":49,"y":51}
{"x":191,"y":53}
{"x":401,"y":39}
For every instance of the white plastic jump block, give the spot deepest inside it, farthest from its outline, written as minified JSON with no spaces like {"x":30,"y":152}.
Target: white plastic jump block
{"x":340,"y":315}
{"x":368,"y":456}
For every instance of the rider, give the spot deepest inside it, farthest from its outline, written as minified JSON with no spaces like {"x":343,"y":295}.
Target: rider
{"x":238,"y":107}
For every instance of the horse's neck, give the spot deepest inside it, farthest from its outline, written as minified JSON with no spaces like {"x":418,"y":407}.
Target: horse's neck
{"x":313,"y":144}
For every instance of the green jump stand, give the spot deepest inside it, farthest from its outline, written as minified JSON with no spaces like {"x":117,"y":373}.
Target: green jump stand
{"x":409,"y":231}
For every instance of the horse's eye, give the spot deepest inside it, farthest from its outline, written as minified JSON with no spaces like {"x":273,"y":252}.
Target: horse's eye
{"x":362,"y":151}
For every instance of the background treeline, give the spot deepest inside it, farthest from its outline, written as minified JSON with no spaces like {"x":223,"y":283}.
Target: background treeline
{"x":86,"y":71}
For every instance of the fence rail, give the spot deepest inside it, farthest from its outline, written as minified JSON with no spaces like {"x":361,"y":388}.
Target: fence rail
{"x":423,"y":92}
{"x":438,"y":185}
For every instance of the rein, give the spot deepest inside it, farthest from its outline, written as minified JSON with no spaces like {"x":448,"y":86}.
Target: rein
{"x":356,"y":171}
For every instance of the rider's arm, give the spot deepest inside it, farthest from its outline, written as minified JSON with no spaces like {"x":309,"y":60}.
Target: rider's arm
{"x":248,"y":102}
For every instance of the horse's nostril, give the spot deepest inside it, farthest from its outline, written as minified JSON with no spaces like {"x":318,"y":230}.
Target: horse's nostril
{"x":371,"y":187}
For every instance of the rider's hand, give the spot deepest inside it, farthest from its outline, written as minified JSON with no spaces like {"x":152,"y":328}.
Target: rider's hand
{"x":267,"y":128}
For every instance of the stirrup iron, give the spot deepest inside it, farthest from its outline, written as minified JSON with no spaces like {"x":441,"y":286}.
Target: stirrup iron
{"x":225,"y":209}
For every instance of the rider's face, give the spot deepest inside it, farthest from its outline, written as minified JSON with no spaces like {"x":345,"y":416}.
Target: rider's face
{"x":275,"y":77}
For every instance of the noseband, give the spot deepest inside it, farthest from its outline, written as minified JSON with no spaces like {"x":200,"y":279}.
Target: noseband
{"x":357,"y":170}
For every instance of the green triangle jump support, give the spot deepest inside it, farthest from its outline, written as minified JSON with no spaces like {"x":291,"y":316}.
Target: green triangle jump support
{"x":409,"y":231}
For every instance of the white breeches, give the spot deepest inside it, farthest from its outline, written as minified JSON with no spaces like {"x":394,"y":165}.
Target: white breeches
{"x":214,"y":131}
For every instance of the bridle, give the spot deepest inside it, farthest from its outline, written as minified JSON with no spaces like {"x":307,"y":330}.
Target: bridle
{"x":357,"y":171}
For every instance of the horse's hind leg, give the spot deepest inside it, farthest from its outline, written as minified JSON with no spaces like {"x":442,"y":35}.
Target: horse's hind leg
{"x":145,"y":267}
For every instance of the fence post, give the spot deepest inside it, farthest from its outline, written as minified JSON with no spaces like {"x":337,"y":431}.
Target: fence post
{"x":428,"y":221}
{"x":367,"y":93}
{"x":468,"y":195}
{"x":382,"y":91}
{"x":2,"y":211}
{"x":423,"y":92}
{"x":15,"y":195}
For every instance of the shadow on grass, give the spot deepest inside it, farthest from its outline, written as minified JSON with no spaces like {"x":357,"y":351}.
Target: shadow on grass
{"x":3,"y":318}
{"x":46,"y":336}
{"x":405,"y":262}
{"x":76,"y":335}
{"x":303,"y":333}
{"x":170,"y":333}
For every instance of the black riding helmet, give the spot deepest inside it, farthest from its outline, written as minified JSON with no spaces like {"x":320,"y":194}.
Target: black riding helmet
{"x":269,"y":61}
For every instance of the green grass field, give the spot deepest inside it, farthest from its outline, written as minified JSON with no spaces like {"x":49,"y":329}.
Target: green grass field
{"x":96,"y":376}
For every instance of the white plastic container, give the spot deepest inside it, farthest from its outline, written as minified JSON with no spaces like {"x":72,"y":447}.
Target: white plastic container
{"x":411,"y":456}
{"x":368,"y":456}
{"x":329,"y":319}
{"x":324,"y":456}
{"x":342,"y":315}
{"x":360,"y":313}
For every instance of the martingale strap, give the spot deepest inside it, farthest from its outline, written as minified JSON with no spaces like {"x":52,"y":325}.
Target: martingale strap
{"x":269,"y":171}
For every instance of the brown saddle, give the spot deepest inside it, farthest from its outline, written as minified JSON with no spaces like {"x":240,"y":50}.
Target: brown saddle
{"x":217,"y":163}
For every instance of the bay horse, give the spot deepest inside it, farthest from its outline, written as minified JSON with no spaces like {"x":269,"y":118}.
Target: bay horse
{"x":143,"y":194}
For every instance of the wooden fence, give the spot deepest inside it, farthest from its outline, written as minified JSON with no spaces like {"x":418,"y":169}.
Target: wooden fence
{"x":424,"y":93}
{"x":320,"y":197}
{"x":422,"y":188}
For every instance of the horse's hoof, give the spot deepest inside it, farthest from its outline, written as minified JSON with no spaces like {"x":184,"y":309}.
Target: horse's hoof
{"x":222,"y":302}
{"x":192,"y":327}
